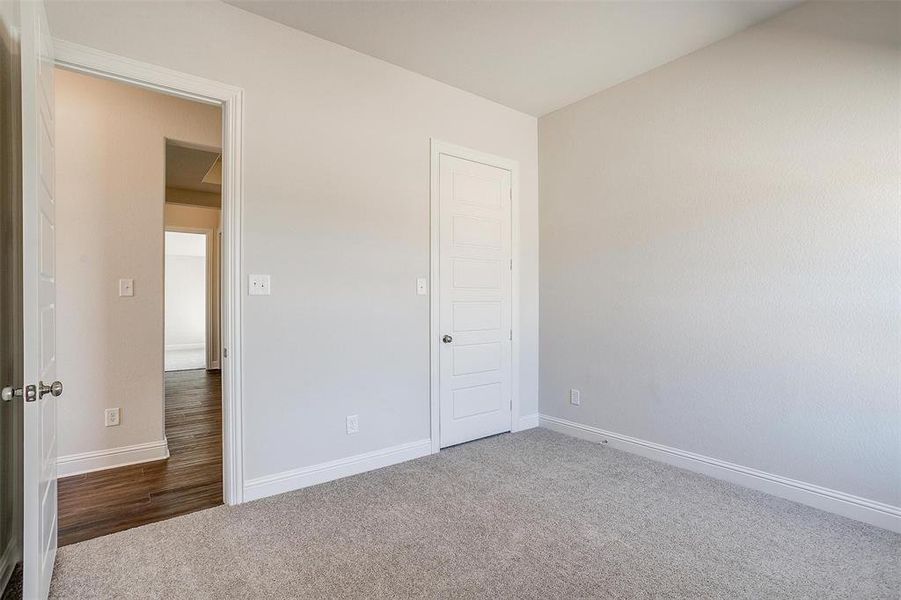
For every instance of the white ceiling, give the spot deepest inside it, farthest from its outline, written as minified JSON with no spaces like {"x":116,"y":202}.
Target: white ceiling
{"x":532,"y":56}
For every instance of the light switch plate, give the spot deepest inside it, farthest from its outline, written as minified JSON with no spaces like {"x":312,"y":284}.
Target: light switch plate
{"x":575,"y":397}
{"x":126,"y":288}
{"x":422,"y":286}
{"x":259,"y":285}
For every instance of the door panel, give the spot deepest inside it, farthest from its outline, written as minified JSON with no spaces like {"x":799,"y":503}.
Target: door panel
{"x":39,"y":301}
{"x":475,"y":287}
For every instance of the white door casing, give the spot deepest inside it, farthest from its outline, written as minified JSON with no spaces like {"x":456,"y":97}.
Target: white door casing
{"x":475,"y":299}
{"x":39,"y":302}
{"x":98,"y":63}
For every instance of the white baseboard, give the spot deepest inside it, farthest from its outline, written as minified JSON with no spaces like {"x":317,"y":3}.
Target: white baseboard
{"x":840,"y":503}
{"x":527,"y":422}
{"x":295,"y":479}
{"x":97,"y":460}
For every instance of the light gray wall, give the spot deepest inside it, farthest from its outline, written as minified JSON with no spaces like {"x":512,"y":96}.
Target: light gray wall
{"x":720,"y":252}
{"x":336,"y":153}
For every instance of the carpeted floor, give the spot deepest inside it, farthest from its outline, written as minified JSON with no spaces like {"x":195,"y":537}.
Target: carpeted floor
{"x":529,"y":515}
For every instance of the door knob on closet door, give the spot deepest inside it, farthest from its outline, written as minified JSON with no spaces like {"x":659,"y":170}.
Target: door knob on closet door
{"x":447,"y":339}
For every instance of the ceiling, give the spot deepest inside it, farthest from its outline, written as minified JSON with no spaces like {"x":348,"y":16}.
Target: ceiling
{"x":532,"y":56}
{"x":186,"y":168}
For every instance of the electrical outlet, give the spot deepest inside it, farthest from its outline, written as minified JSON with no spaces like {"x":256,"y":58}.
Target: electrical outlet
{"x":353,"y":424}
{"x":575,"y":397}
{"x":111,"y":417}
{"x":422,"y":286}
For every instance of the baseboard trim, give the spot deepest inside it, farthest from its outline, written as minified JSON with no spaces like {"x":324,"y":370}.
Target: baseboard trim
{"x":98,"y":460}
{"x":296,"y":479}
{"x":527,"y":422}
{"x":840,"y":503}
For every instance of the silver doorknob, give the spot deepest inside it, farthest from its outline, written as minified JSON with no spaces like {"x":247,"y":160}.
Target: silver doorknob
{"x":447,"y":339}
{"x":55,"y":389}
{"x":10,"y":392}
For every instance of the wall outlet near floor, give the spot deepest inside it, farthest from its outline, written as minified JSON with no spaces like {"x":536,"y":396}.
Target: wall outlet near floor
{"x":575,"y":397}
{"x":111,"y":417}
{"x":353,"y":424}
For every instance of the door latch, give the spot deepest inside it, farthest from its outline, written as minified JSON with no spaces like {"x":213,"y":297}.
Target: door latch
{"x":30,"y":392}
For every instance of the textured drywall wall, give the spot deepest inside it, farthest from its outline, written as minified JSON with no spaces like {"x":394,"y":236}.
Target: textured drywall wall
{"x":336,"y":188}
{"x":110,"y":165}
{"x":720,"y":252}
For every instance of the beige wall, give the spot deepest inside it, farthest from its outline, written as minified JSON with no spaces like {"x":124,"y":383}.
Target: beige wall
{"x":208,"y":219}
{"x":110,"y":159}
{"x":719,"y":251}
{"x":336,"y":210}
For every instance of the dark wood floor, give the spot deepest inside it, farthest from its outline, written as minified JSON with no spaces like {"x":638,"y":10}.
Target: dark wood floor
{"x":103,"y":502}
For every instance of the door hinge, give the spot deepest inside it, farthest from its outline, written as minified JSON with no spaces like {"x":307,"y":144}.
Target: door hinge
{"x":225,"y":353}
{"x":511,"y":335}
{"x":511,"y":264}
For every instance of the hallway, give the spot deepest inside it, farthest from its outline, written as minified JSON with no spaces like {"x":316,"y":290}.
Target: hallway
{"x":103,"y":502}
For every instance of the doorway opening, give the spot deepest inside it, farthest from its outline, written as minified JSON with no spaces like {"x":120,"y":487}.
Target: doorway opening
{"x":186,"y":301}
{"x":138,"y":222}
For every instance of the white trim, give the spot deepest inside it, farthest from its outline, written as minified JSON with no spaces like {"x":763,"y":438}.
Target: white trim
{"x":438,"y":148}
{"x":296,"y":479}
{"x":528,"y":422}
{"x":98,"y":460}
{"x":840,"y":503}
{"x":231,"y":99}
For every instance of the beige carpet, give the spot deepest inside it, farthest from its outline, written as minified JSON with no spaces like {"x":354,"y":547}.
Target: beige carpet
{"x":529,"y":515}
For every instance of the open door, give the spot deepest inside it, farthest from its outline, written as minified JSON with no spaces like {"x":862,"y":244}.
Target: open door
{"x":39,"y":303}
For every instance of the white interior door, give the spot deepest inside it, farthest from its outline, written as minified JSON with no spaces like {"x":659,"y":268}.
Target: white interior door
{"x":39,"y":303}
{"x":475,"y":300}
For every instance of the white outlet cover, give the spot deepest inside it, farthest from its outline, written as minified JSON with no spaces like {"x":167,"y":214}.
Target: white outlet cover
{"x":422,"y":286}
{"x":575,"y":397}
{"x":111,"y":417}
{"x":353,"y":424}
{"x":258,"y":285}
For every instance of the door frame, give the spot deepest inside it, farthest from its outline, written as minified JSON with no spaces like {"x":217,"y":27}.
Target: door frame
{"x":210,"y":239}
{"x":438,"y":148}
{"x":98,"y":63}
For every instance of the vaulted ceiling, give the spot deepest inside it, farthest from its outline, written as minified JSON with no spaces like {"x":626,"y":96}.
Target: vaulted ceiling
{"x":532,"y":56}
